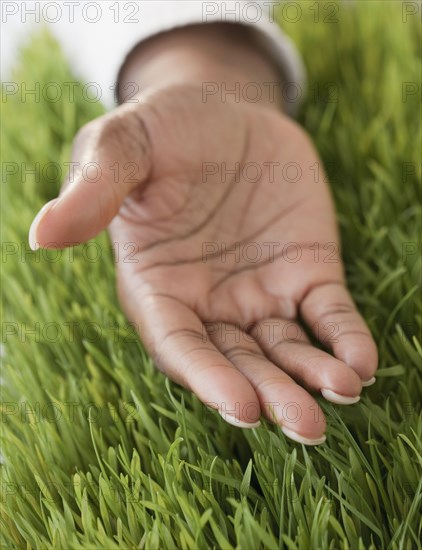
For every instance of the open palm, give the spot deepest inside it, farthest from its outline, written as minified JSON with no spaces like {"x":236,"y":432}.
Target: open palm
{"x":228,"y":249}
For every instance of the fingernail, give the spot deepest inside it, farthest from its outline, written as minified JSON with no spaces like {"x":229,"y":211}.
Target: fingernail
{"x":339,"y":399}
{"x":239,"y":423}
{"x":300,"y":439}
{"x":32,"y":236}
{"x":369,"y":382}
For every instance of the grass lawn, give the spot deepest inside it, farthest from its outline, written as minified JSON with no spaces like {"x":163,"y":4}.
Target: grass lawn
{"x":101,"y":451}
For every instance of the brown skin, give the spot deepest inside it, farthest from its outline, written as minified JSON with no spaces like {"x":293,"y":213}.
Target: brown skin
{"x":179,"y":287}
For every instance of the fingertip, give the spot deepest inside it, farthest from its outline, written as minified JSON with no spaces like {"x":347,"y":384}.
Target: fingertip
{"x":300,"y":414}
{"x":234,"y":421}
{"x":68,"y":220}
{"x":370,"y":382}
{"x":230,"y":393}
{"x":294,"y":436}
{"x":237,"y":401}
{"x":33,"y":235}
{"x":361,"y":355}
{"x":339,"y":399}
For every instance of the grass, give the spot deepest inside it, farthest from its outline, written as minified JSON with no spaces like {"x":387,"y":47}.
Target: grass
{"x":101,"y":451}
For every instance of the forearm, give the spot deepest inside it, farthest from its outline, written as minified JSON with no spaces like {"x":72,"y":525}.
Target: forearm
{"x":223,"y":60}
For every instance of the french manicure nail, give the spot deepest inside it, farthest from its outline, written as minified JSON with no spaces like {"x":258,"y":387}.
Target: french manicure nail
{"x":238,"y":423}
{"x":369,"y":382}
{"x":32,"y":236}
{"x":300,"y":439}
{"x":339,"y":399}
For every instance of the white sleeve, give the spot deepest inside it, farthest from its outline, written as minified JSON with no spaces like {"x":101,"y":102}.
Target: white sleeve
{"x":97,"y":36}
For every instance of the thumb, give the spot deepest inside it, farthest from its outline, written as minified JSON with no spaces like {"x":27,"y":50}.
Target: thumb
{"x":111,"y":156}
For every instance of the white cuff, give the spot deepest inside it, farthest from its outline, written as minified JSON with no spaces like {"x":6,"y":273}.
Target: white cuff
{"x":97,"y":36}
{"x":162,"y":15}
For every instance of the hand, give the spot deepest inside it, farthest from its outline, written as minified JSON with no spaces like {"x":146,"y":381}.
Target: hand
{"x":228,"y":268}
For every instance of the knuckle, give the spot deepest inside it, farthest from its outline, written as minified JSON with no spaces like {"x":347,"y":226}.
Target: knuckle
{"x":242,"y":352}
{"x":85,"y":131}
{"x":273,"y":383}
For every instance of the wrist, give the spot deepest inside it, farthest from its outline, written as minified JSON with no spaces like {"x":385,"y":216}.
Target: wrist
{"x":224,"y":63}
